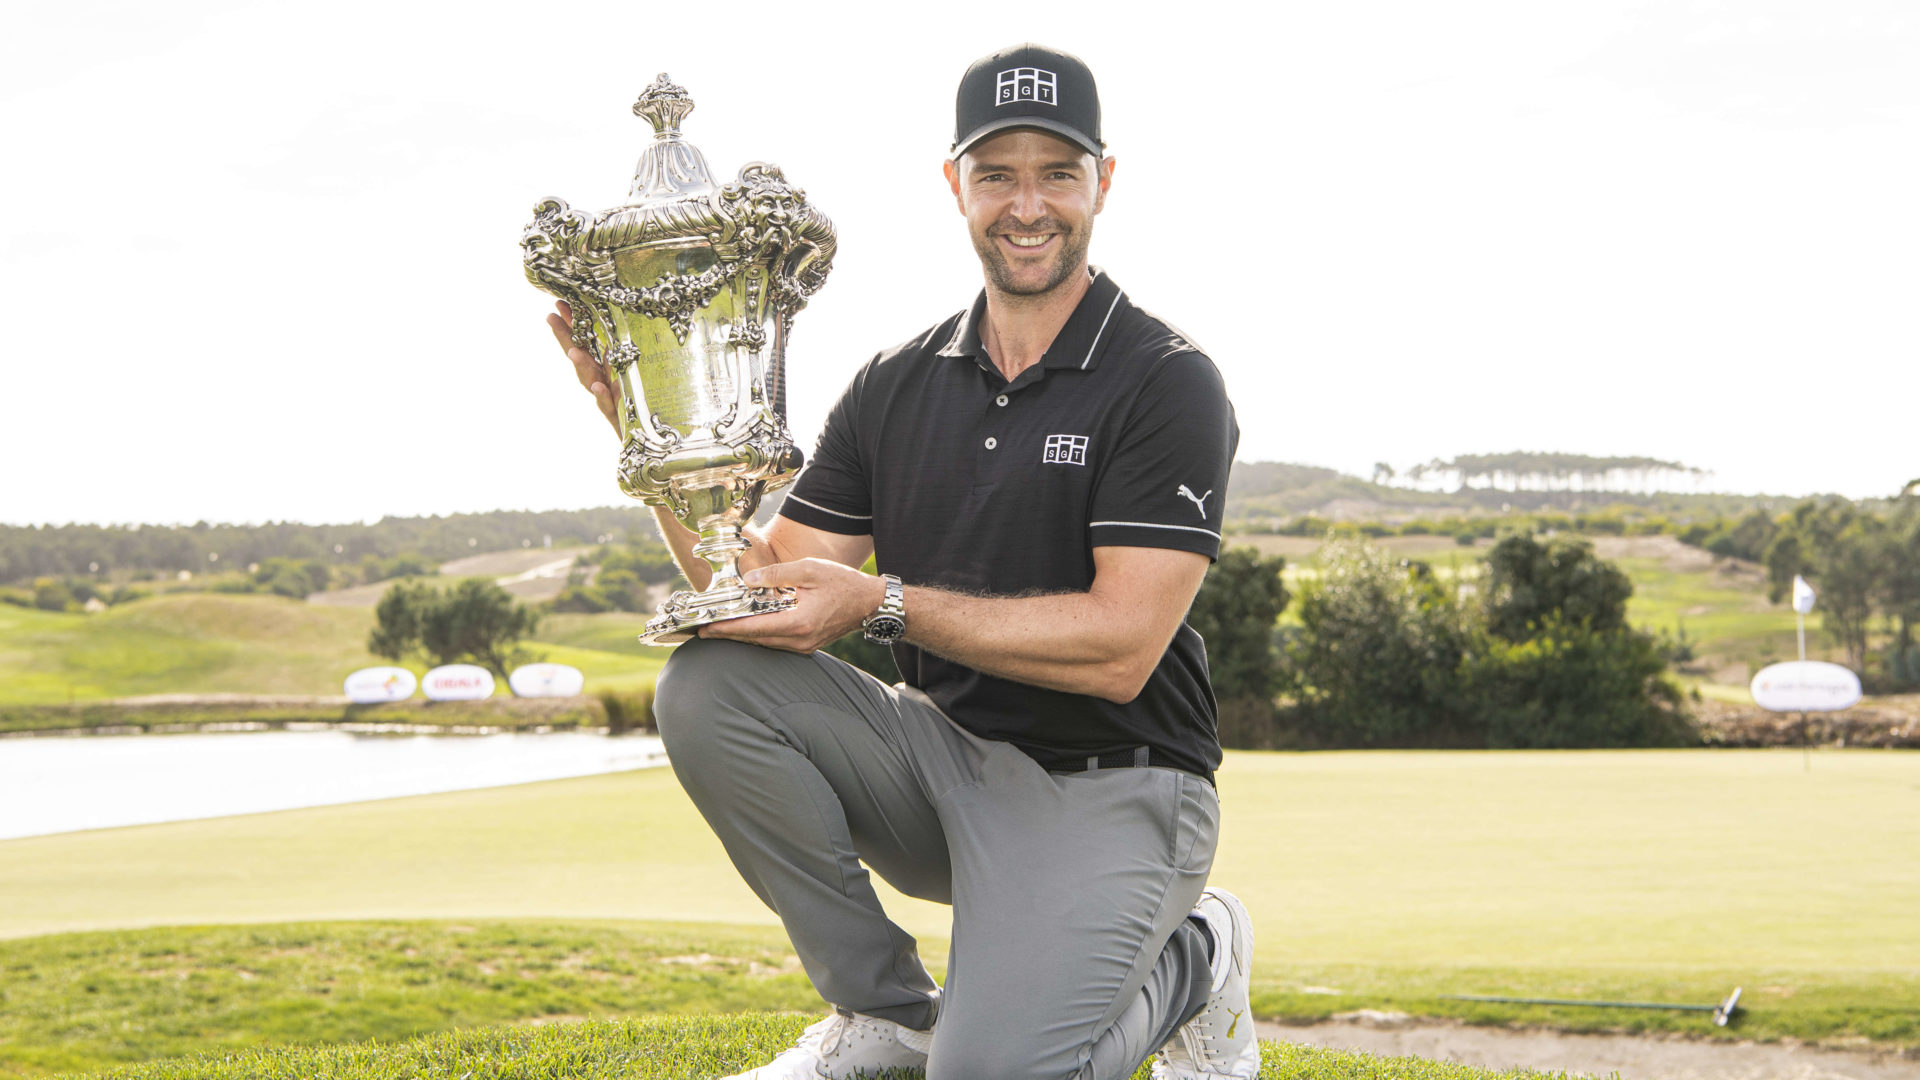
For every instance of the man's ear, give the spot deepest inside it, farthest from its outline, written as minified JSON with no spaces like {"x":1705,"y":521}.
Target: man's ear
{"x":1106,"y":181}
{"x":952,"y":169}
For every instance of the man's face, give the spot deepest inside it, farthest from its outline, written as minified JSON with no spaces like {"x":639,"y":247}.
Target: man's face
{"x":1029,"y":199}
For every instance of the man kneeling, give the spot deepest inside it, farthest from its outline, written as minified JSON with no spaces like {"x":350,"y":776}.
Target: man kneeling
{"x":1040,"y":478}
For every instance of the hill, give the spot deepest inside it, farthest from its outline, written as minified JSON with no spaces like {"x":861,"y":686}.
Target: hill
{"x":210,"y":643}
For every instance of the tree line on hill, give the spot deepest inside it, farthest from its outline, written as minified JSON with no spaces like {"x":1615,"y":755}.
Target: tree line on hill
{"x":295,"y":579}
{"x":28,"y":552}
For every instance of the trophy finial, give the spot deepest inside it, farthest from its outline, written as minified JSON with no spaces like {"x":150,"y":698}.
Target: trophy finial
{"x":670,"y":167}
{"x":664,"y":104}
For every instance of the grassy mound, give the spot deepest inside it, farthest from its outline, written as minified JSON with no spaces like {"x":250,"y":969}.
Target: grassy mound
{"x":663,"y":1048}
{"x":82,"y":1002}
{"x":206,"y":643}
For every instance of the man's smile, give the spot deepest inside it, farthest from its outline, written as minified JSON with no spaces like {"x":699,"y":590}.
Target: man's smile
{"x":1028,"y":243}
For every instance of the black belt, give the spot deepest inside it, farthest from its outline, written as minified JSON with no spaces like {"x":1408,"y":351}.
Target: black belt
{"x":1138,"y":757}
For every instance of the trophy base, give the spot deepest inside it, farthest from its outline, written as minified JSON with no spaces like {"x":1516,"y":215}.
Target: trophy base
{"x":685,"y":612}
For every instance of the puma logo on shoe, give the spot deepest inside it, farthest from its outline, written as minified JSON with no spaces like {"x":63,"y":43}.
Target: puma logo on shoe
{"x":1236,"y":1021}
{"x":1199,"y":501}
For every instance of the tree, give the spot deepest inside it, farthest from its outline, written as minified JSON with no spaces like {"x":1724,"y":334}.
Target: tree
{"x":396,"y":620}
{"x":1375,"y":660}
{"x":1528,"y":580}
{"x":1901,"y":587}
{"x":1569,"y":685}
{"x":475,"y":620}
{"x":1848,"y":558}
{"x":1235,"y":612}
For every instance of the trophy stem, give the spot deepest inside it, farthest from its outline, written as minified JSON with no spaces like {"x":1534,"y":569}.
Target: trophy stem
{"x":725,"y":597}
{"x":722,"y":545}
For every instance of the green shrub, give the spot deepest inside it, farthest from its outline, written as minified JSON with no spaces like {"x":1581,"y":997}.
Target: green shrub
{"x":1569,"y":685}
{"x":1235,"y":612}
{"x":52,"y":594}
{"x":1527,"y":581}
{"x":1385,"y":655}
{"x":1373,"y":662}
{"x":629,"y":710}
{"x":296,"y":579}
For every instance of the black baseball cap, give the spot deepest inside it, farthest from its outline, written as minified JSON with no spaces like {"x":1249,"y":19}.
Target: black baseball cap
{"x":1028,"y":86}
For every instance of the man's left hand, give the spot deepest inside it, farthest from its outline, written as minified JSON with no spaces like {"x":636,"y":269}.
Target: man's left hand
{"x":832,"y":599}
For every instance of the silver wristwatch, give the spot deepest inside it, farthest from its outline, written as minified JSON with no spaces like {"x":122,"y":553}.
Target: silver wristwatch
{"x":885,"y":625}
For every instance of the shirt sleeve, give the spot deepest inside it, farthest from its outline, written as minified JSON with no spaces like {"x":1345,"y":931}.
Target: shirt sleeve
{"x":1165,"y":486}
{"x":833,"y":492}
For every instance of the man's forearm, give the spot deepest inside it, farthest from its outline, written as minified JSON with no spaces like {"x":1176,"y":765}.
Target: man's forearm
{"x":1081,"y":643}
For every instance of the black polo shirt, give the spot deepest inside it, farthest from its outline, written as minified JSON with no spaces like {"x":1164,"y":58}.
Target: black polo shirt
{"x":1120,"y":436}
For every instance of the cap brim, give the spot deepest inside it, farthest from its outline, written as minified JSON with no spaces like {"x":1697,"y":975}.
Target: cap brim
{"x":1038,"y":123}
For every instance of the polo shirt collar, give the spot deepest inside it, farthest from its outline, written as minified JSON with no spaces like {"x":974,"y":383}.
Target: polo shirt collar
{"x":1080,"y":342}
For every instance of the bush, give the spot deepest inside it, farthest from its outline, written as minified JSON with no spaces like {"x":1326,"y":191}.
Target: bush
{"x":50,"y":594}
{"x":373,"y":568}
{"x":1385,"y":656}
{"x":1373,"y":663}
{"x":1527,"y":581}
{"x":295,"y":579}
{"x":629,"y":710}
{"x":1569,"y":685}
{"x":1235,"y":612}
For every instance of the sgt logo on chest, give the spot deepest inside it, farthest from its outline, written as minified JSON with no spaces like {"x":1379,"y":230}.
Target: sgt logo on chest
{"x":1065,"y":450}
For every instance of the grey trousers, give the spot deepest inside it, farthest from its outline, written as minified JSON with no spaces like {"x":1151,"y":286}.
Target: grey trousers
{"x":1072,"y":955}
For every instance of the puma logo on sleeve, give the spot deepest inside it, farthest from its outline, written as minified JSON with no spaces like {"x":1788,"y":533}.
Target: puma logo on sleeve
{"x":1199,"y":501}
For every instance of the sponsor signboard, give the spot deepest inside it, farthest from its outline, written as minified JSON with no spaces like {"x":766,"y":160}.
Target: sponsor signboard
{"x":370,"y":686}
{"x":546,"y":680}
{"x":458,"y":682}
{"x":1805,"y":686}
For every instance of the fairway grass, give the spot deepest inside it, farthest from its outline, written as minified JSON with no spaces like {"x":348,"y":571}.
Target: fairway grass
{"x":1376,"y":880}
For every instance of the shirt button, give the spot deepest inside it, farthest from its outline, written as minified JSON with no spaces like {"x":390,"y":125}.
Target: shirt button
{"x":992,"y":442}
{"x":1001,"y":401}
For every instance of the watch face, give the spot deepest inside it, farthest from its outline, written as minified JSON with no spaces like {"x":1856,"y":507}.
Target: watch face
{"x":884,"y":629}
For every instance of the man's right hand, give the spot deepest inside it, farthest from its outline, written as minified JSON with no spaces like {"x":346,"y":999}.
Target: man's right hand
{"x":585,"y":367}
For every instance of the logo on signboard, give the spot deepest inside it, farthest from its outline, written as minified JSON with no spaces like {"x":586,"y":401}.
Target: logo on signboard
{"x":369,"y":686}
{"x":1065,"y":450}
{"x":546,"y":680}
{"x":1027,"y":84}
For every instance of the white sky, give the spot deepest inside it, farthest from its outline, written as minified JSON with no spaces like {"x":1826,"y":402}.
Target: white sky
{"x":260,"y":260}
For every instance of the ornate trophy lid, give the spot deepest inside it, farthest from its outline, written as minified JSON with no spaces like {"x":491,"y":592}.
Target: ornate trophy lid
{"x":671,"y":167}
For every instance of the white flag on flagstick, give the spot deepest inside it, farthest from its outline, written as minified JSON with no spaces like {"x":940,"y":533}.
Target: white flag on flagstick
{"x":1802,"y":595}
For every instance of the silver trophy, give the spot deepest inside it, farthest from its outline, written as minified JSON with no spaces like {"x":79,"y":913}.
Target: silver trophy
{"x":686,"y":293}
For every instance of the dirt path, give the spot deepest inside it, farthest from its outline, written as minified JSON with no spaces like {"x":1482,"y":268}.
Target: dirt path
{"x":1632,"y":1057}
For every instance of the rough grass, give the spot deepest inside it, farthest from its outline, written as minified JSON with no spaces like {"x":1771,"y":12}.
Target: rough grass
{"x":81,"y":1002}
{"x":206,"y":643}
{"x":665,"y":1048}
{"x":89,"y":1001}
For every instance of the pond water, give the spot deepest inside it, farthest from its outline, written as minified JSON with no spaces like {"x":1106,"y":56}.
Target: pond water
{"x":61,"y":784}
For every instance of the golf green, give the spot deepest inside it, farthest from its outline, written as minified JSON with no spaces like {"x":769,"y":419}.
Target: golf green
{"x":1722,"y":859}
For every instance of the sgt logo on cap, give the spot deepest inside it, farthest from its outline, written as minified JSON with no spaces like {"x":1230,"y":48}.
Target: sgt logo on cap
{"x":1028,"y":84}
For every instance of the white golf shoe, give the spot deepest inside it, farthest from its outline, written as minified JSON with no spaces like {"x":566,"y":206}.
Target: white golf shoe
{"x":1218,"y":1043}
{"x":847,"y":1044}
